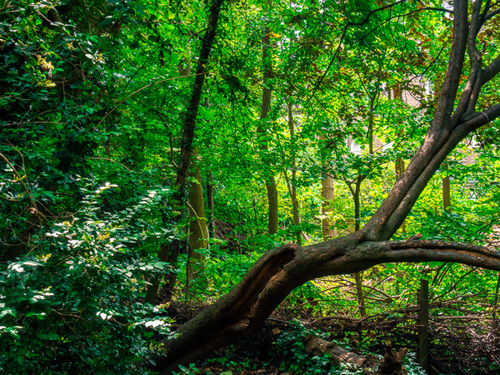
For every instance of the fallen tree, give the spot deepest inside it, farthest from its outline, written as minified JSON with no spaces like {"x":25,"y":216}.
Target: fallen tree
{"x":391,"y":363}
{"x":315,"y":346}
{"x":279,"y":271}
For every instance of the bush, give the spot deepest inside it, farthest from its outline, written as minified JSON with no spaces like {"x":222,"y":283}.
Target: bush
{"x":72,"y":305}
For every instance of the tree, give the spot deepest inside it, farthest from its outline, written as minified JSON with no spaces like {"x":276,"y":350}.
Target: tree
{"x":265,"y":108}
{"x":171,"y":253}
{"x":279,"y":271}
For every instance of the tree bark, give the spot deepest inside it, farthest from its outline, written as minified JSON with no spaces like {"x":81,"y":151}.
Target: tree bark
{"x":279,"y":271}
{"x":291,"y":184}
{"x":316,"y":346}
{"x":327,"y":195}
{"x":170,"y":253}
{"x":211,"y":205}
{"x":272,"y":191}
{"x":198,"y":224}
{"x":446,"y":190}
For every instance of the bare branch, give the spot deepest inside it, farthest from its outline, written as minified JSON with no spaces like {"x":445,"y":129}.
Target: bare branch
{"x":452,"y":78}
{"x":470,"y":93}
{"x":492,"y":14}
{"x":491,"y":70}
{"x":484,"y":14}
{"x":145,"y":87}
{"x":474,"y":120}
{"x":442,"y":251}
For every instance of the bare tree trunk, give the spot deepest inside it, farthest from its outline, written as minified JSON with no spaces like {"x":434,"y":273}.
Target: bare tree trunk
{"x":327,"y":195}
{"x":291,"y":184}
{"x":198,"y":224}
{"x":446,"y":179}
{"x":358,"y":276}
{"x":211,"y":205}
{"x":279,"y":271}
{"x":446,"y":190}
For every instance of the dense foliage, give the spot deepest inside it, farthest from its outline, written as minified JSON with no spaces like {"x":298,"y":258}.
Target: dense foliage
{"x":93,"y":96}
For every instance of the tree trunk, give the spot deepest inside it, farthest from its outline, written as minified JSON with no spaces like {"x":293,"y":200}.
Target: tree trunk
{"x":446,"y":190}
{"x":198,"y":223}
{"x":211,"y":206}
{"x":358,"y":276}
{"x":356,"y":194}
{"x":272,"y":191}
{"x":392,"y":362}
{"x":245,"y":308}
{"x":170,"y":253}
{"x":328,"y":195}
{"x":318,"y":347}
{"x":291,"y":184}
{"x":272,"y":197}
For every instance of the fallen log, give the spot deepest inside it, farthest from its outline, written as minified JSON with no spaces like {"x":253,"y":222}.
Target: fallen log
{"x":391,"y":364}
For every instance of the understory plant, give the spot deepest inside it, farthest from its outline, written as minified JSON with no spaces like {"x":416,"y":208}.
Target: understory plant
{"x":73,"y":303}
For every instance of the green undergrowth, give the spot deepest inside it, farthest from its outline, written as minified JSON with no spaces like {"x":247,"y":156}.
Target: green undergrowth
{"x":285,"y":353}
{"x":73,"y":303}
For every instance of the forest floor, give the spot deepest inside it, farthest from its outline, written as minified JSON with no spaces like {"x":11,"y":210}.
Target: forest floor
{"x":468,"y":344}
{"x":462,"y":340}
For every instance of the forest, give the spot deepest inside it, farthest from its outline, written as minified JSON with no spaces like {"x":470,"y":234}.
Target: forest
{"x":249,"y":187}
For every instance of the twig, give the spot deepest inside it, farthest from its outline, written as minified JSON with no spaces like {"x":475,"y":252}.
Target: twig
{"x":143,"y":88}
{"x":110,"y":160}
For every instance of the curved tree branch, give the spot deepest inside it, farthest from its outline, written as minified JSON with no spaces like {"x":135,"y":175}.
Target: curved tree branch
{"x":492,"y":14}
{"x":442,"y":251}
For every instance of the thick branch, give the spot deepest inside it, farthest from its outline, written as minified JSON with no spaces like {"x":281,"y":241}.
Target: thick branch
{"x":472,"y":88}
{"x":452,"y":78}
{"x":474,"y":120}
{"x":442,"y":251}
{"x":491,"y":70}
{"x":437,"y":143}
{"x":492,"y":14}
